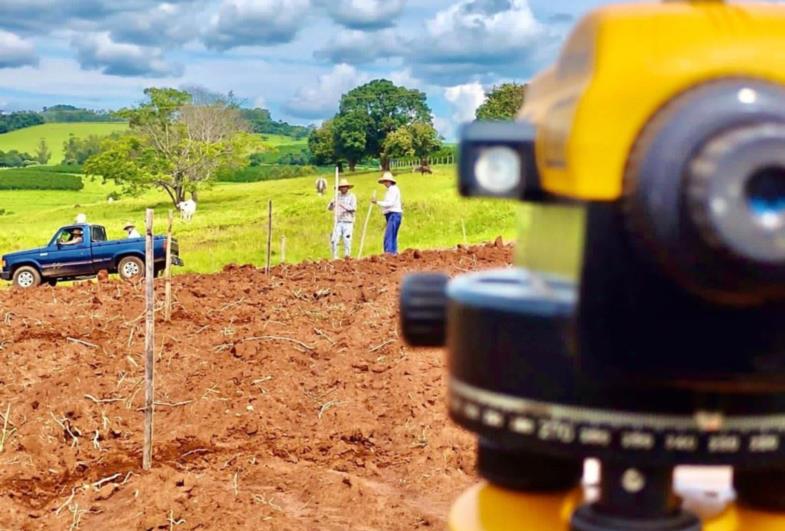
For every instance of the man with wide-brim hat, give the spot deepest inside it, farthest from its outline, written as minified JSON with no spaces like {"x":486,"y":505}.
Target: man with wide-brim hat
{"x":346,"y":206}
{"x":392,"y":207}
{"x":130,"y":229}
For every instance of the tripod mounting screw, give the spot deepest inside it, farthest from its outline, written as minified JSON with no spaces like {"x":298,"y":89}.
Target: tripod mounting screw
{"x":633,"y":481}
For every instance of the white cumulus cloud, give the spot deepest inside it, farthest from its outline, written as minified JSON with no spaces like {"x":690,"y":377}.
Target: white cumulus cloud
{"x":364,"y":13}
{"x":15,"y":51}
{"x":463,"y":100}
{"x":99,"y":52}
{"x":321,"y":99}
{"x":256,"y":22}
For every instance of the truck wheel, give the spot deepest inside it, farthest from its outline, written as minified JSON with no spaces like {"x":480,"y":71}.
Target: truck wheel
{"x":131,"y":268}
{"x":26,"y":277}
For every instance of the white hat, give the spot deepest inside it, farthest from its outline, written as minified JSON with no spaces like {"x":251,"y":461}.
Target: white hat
{"x":387,"y":176}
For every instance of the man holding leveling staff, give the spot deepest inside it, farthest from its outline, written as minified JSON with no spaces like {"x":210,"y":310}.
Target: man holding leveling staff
{"x":346,"y":205}
{"x":392,"y":207}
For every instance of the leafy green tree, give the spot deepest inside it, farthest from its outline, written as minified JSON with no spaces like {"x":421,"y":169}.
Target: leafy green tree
{"x":42,"y":153}
{"x":503,"y":102}
{"x":173,"y":144}
{"x":419,"y":140}
{"x":321,"y":144}
{"x":78,"y":150}
{"x":399,"y":144}
{"x":349,"y":138}
{"x":367,"y":114}
{"x":425,"y":141}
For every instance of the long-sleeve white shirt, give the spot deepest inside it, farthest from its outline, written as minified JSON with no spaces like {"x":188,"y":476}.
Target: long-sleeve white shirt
{"x":392,"y":200}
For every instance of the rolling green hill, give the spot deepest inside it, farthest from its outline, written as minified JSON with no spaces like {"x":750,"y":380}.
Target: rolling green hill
{"x":55,"y":134}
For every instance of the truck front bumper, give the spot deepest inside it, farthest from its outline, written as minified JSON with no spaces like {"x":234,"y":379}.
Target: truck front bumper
{"x":176,"y":260}
{"x":5,"y":275}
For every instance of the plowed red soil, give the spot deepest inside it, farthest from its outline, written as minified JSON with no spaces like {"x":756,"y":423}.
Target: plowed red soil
{"x":283,"y":402}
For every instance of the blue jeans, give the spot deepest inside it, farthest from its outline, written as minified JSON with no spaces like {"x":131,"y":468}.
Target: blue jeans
{"x":391,"y":232}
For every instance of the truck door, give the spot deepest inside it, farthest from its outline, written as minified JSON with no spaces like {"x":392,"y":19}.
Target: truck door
{"x":69,"y":254}
{"x":101,"y":248}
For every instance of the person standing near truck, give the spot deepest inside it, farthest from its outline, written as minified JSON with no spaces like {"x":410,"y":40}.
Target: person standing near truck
{"x":344,"y":219}
{"x":130,"y":229}
{"x":392,"y":207}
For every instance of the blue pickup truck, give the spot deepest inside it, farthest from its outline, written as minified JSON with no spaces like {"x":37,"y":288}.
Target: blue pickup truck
{"x":81,"y":251}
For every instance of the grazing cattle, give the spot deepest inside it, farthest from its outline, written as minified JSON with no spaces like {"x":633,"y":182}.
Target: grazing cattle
{"x":321,"y":185}
{"x":81,"y":219}
{"x":187,"y":209}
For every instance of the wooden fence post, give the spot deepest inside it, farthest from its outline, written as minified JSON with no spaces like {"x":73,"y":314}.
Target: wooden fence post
{"x":149,"y":342}
{"x":168,"y":271}
{"x":269,"y":233}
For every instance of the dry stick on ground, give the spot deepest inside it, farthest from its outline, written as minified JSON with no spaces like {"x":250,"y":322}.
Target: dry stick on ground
{"x":149,"y":344}
{"x":280,"y":338}
{"x":168,"y":271}
{"x":80,"y":342}
{"x":463,"y":228}
{"x":283,"y":248}
{"x":379,"y":347}
{"x":103,"y":400}
{"x":6,"y":432}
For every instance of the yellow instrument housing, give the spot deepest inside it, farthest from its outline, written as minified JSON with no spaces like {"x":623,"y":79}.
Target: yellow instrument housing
{"x":622,"y":64}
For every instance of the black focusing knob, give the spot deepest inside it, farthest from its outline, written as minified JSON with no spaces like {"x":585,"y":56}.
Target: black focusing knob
{"x":424,"y":309}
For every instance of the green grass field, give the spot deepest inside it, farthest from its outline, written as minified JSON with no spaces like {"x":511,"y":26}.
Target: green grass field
{"x":26,"y":140}
{"x":283,"y":140}
{"x":230,"y":224}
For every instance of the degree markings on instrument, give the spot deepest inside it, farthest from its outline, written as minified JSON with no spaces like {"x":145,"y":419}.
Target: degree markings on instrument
{"x":493,"y":418}
{"x":637,"y":440}
{"x":595,"y":436}
{"x":764,"y":443}
{"x":724,"y":444}
{"x":705,"y":421}
{"x":471,"y":411}
{"x":522,"y":425}
{"x":555,"y":430}
{"x":681,"y":442}
{"x":455,"y":404}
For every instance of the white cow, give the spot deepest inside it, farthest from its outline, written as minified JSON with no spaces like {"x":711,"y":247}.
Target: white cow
{"x":187,"y":209}
{"x":81,"y":219}
{"x":321,"y":185}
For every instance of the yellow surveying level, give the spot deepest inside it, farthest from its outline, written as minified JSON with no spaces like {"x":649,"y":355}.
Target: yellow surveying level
{"x":643,"y":324}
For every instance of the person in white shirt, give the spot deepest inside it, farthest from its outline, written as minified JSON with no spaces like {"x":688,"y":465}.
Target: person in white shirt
{"x":130,"y":229}
{"x":392,"y":207}
{"x":344,"y":222}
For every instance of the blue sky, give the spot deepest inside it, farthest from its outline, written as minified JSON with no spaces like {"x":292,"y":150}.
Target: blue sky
{"x":295,"y":57}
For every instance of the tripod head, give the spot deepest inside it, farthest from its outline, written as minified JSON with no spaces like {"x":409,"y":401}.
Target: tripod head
{"x":642,"y":324}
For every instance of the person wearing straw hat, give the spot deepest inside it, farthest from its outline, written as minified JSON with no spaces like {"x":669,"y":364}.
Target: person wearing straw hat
{"x":392,"y":207}
{"x":344,"y":219}
{"x":130,"y":229}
